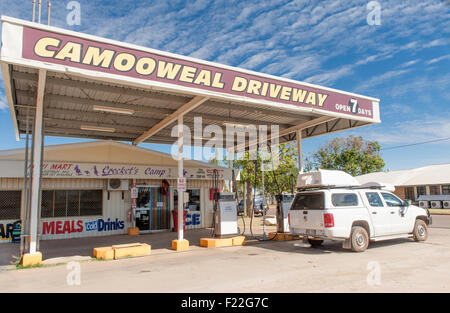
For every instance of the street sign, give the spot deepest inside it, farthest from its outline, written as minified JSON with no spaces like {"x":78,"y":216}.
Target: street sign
{"x":134,"y":193}
{"x":181,"y":184}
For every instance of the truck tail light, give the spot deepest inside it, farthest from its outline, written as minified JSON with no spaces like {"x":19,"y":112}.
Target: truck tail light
{"x":328,"y":220}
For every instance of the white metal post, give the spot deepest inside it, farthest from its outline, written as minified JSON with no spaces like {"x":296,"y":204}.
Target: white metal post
{"x":230,"y":165}
{"x":180,"y":175}
{"x":37,"y":141}
{"x":299,"y":150}
{"x":263,"y":198}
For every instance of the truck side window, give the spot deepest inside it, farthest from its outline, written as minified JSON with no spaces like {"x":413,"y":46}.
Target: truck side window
{"x":344,"y":199}
{"x":391,"y":200}
{"x":374,"y":199}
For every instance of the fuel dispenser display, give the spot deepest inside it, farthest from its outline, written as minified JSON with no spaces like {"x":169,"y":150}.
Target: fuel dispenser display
{"x":284,"y":202}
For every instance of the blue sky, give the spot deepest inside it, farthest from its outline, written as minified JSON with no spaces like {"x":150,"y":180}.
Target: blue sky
{"x":405,"y":61}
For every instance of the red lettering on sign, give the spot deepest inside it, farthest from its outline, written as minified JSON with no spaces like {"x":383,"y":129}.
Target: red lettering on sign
{"x":51,"y":228}
{"x":80,"y":226}
{"x":48,"y":228}
{"x":58,"y":227}
{"x":66,"y":228}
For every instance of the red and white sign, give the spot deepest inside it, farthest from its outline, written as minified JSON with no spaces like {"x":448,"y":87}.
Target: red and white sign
{"x":134,"y":192}
{"x":181,"y":184}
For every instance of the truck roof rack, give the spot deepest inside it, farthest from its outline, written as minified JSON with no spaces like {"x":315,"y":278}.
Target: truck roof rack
{"x":313,"y":188}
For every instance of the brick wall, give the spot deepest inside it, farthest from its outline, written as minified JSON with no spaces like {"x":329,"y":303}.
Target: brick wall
{"x":400,"y":192}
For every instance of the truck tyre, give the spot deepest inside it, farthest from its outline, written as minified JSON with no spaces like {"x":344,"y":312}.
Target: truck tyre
{"x":315,"y":242}
{"x":359,"y":239}
{"x":420,"y":231}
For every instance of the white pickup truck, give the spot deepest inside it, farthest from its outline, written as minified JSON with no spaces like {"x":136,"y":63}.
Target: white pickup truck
{"x":331,"y":205}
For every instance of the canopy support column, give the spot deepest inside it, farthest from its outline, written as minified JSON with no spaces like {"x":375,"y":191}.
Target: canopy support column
{"x":180,"y":175}
{"x":37,"y":162}
{"x":299,"y":150}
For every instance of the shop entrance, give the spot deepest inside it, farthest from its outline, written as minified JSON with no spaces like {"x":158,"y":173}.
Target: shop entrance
{"x":152,"y":209}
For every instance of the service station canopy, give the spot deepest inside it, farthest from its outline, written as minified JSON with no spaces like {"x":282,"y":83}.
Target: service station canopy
{"x":103,"y":89}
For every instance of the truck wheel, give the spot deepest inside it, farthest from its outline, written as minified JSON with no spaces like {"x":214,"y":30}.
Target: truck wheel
{"x":359,"y":239}
{"x":315,"y":242}
{"x":420,"y":231}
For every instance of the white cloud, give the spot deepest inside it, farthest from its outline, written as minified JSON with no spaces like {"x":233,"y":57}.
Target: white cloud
{"x":330,"y":77}
{"x":435,"y":60}
{"x":397,"y":109}
{"x":409,"y":63}
{"x":426,"y":128}
{"x":381,"y":79}
{"x":3,"y":104}
{"x":435,"y":43}
{"x":422,"y":85}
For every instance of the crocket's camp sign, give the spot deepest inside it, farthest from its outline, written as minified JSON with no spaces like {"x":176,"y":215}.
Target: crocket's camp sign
{"x":178,"y":72}
{"x":50,"y":169}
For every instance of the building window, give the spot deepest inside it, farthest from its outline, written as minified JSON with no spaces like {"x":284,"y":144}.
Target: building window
{"x":435,"y":190}
{"x":446,"y":189}
{"x":421,"y":191}
{"x":194,"y":199}
{"x":10,"y":205}
{"x":409,"y":193}
{"x":70,"y":203}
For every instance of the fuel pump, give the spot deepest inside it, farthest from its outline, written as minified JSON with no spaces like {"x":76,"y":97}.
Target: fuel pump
{"x":284,"y":201}
{"x":225,"y":211}
{"x":226,"y":215}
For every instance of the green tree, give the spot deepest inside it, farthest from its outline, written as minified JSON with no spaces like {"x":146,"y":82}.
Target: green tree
{"x":275,"y":181}
{"x":352,"y":155}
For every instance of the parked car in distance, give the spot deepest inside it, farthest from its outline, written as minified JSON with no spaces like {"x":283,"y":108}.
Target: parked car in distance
{"x":355,"y":215}
{"x":240,"y":208}
{"x":258,"y":207}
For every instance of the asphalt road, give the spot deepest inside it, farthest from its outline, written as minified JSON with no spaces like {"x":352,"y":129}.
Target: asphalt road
{"x":390,"y":266}
{"x":441,"y":221}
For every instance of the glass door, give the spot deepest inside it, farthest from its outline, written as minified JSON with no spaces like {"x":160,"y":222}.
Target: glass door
{"x":152,"y":209}
{"x":143,"y":209}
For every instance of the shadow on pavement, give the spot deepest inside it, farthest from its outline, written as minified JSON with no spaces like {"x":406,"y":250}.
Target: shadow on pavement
{"x":326,"y":248}
{"x":84,"y":246}
{"x":162,"y":241}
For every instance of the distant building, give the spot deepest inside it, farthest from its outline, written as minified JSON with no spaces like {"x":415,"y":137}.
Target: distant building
{"x":431,"y":181}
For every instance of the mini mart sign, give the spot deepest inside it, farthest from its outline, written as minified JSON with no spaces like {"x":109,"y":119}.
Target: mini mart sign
{"x":14,"y":169}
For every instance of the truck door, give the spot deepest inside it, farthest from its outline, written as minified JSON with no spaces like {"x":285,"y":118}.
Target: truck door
{"x":306,"y":212}
{"x":379,"y":213}
{"x":398,"y":214}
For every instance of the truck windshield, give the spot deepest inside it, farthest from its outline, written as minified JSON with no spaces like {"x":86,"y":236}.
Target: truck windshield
{"x":309,"y":201}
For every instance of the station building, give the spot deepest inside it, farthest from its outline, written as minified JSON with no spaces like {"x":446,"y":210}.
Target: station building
{"x":86,"y":190}
{"x":424,"y":183}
